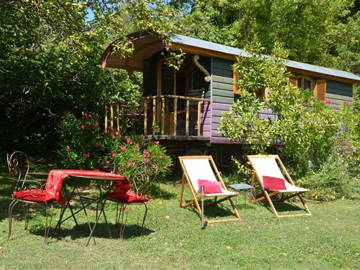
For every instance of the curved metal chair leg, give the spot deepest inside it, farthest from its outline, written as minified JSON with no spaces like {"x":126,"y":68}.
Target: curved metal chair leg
{"x":124,"y":216}
{"x":144,"y":218}
{"x":10,"y":216}
{"x":47,"y":223}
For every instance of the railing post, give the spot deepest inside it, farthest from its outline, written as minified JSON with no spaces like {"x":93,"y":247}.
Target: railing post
{"x":199,"y":118}
{"x":162,"y":116}
{"x":106,"y":117}
{"x":187,"y":117}
{"x":117,"y":117}
{"x":145,"y":116}
{"x":175,"y":116}
{"x":154,"y":114}
{"x":111,"y":116}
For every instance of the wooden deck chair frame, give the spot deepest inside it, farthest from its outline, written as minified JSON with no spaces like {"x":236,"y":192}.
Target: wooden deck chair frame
{"x":198,"y":197}
{"x":267,"y":196}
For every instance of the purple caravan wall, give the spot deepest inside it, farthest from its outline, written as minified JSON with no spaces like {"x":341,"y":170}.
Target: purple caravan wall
{"x":217,"y":110}
{"x":206,"y":120}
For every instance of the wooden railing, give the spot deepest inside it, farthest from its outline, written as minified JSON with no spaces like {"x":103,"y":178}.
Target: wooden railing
{"x":119,"y":116}
{"x":174,"y":115}
{"x":161,"y":115}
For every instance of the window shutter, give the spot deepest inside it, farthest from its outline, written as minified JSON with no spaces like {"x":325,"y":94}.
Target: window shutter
{"x":236,"y":89}
{"x":293,"y":80}
{"x":320,"y":90}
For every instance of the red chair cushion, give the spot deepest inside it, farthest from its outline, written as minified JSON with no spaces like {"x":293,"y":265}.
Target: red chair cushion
{"x":32,"y":195}
{"x":127,"y":197}
{"x":274,"y":183}
{"x":210,"y":187}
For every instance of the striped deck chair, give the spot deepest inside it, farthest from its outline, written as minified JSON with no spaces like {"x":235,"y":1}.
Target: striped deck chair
{"x":205,"y":182}
{"x":272,"y":181}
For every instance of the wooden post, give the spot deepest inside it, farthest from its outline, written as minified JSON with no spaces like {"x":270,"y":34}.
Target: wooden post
{"x":145,"y":116}
{"x":111,"y":116}
{"x":162,"y":115}
{"x":106,"y":118}
{"x":154,"y":99}
{"x":117,"y":117}
{"x":175,"y":116}
{"x":199,"y":118}
{"x":187,"y":117}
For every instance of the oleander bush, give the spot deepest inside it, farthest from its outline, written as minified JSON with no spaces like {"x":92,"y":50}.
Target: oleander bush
{"x":85,"y":145}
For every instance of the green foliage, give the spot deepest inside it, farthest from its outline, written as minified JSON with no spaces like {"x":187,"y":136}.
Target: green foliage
{"x":81,"y":146}
{"x":306,"y":130}
{"x":141,"y":160}
{"x":334,"y":179}
{"x":314,"y":31}
{"x":85,"y":146}
{"x":49,"y":62}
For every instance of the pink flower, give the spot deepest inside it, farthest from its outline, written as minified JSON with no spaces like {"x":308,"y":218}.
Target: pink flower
{"x":87,"y":155}
{"x":131,"y":164}
{"x":147,"y":154}
{"x":169,"y":164}
{"x":128,"y":141}
{"x":113,"y":137}
{"x":123,"y":148}
{"x":89,"y":115}
{"x":96,"y":124}
{"x":67,"y":148}
{"x":98,"y":143}
{"x":113,"y":155}
{"x":157,"y":142}
{"x":82,"y":126}
{"x":146,"y":160}
{"x":154,"y":166}
{"x":160,"y":157}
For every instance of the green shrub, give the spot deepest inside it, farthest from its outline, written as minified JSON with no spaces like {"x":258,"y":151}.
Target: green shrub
{"x":85,"y":146}
{"x":334,"y":179}
{"x":82,"y":145}
{"x":141,"y":160}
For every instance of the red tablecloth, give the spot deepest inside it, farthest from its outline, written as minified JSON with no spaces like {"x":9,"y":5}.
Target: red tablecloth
{"x":56,"y":178}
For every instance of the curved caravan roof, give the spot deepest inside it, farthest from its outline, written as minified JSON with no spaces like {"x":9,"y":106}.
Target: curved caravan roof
{"x":147,"y":43}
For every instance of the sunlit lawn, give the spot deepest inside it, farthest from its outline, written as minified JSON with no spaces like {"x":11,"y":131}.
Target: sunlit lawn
{"x":173,"y":239}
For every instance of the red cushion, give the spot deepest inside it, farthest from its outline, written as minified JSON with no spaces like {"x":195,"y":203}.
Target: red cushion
{"x":121,"y":186}
{"x":33,"y":195}
{"x":127,"y":197}
{"x":210,"y":187}
{"x":274,"y":183}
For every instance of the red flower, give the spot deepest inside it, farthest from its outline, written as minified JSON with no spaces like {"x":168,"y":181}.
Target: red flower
{"x":131,"y":164}
{"x":98,"y":143}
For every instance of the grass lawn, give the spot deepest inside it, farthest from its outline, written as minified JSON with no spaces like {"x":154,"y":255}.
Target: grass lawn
{"x":173,"y":239}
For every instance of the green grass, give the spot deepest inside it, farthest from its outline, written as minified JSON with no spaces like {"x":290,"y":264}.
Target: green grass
{"x":330,"y":239}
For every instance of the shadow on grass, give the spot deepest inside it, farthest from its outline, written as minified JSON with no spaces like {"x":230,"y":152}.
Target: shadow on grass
{"x":214,"y":211}
{"x":101,"y":231}
{"x":155,"y":192}
{"x":282,"y":207}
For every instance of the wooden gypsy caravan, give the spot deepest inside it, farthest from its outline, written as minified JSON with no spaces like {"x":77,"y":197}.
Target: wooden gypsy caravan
{"x":183,"y":107}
